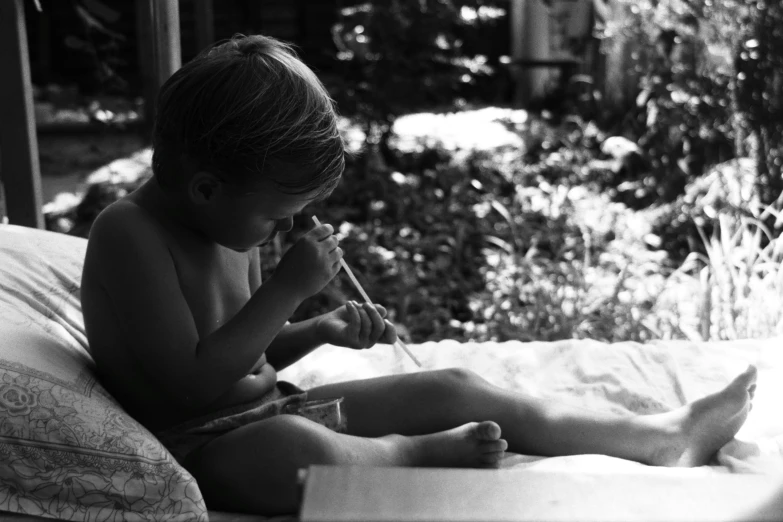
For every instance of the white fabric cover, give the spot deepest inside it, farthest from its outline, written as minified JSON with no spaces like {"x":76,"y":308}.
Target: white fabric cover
{"x":618,"y":377}
{"x":67,"y":449}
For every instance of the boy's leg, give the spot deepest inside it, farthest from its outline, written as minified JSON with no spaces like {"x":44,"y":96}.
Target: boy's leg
{"x":253,"y":468}
{"x":431,"y":401}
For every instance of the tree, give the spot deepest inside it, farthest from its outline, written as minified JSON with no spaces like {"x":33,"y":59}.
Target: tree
{"x":711,"y":72}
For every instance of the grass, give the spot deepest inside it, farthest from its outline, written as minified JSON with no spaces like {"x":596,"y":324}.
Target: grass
{"x":741,"y":281}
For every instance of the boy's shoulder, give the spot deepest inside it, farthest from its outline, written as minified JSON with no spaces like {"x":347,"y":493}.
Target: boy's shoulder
{"x":121,"y":218}
{"x":125,"y":229}
{"x":127,"y":232}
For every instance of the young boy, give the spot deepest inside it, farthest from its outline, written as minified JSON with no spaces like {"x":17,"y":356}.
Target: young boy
{"x":188,"y":338}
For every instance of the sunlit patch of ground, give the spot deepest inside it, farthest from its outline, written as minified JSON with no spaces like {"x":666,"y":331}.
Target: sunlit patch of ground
{"x":470,"y":130}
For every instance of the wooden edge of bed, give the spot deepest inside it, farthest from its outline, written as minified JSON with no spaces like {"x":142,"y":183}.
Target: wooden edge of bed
{"x":367,"y":494}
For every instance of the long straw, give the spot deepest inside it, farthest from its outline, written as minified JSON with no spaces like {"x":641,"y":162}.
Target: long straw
{"x":367,"y":299}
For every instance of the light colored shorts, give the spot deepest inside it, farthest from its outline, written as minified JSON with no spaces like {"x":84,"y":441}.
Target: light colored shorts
{"x":184,"y":438}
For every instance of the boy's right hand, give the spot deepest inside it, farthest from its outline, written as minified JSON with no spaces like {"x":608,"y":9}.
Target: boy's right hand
{"x":311,"y":262}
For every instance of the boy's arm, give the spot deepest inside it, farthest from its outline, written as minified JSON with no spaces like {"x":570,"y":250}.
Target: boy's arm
{"x":292,"y":343}
{"x":294,"y":340}
{"x":351,"y":325}
{"x":158,"y":324}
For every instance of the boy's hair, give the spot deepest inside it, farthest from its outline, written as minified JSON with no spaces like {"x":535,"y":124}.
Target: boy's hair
{"x":244,"y":109}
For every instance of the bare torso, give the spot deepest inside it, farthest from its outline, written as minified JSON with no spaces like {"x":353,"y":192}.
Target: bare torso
{"x":215,"y":281}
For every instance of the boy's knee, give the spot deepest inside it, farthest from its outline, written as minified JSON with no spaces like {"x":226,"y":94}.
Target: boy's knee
{"x":450,"y":382}
{"x":462,"y":377}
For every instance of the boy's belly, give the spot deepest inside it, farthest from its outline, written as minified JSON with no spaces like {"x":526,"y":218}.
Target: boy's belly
{"x":247,"y":389}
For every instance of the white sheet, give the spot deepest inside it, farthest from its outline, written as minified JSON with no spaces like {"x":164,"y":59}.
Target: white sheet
{"x":621,"y":377}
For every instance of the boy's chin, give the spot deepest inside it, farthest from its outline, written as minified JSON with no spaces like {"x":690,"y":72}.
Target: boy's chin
{"x":240,"y":249}
{"x":248,"y":248}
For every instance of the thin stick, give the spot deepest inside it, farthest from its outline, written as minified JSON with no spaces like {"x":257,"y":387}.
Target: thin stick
{"x":367,"y":299}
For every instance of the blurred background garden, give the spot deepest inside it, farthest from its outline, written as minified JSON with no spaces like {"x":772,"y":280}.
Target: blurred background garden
{"x":519,"y":169}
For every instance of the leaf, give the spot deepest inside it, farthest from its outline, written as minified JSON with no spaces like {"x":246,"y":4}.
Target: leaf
{"x":73,"y":42}
{"x":102,"y":10}
{"x":46,"y":399}
{"x":47,"y":490}
{"x":505,"y":245}
{"x":30,"y":506}
{"x":64,"y":411}
{"x":93,"y":23}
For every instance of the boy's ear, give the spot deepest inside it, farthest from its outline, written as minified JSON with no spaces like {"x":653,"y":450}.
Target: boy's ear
{"x":204,"y":188}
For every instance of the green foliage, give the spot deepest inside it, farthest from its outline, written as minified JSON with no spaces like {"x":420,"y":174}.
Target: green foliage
{"x":100,"y":44}
{"x":401,"y":56}
{"x":710,"y":88}
{"x":525,"y":244}
{"x":740,"y":280}
{"x":495,"y":245}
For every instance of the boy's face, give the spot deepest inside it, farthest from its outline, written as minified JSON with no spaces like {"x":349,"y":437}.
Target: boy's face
{"x":244,"y":221}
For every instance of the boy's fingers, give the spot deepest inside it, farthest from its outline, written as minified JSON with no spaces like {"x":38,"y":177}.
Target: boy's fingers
{"x":365,"y":328}
{"x":322,"y":232}
{"x":353,"y":315}
{"x":336,"y":255}
{"x":390,"y":333}
{"x":381,"y":310}
{"x":377,"y":324}
{"x":355,"y":322}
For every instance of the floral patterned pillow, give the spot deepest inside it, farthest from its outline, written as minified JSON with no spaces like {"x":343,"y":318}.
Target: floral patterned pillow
{"x":67,"y":449}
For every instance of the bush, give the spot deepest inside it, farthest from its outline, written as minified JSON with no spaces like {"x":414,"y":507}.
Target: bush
{"x":397,"y":57}
{"x":491,"y":245}
{"x":710,"y":89}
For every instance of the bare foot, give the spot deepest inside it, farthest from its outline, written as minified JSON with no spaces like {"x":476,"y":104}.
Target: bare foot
{"x":696,"y":431}
{"x":473,"y":445}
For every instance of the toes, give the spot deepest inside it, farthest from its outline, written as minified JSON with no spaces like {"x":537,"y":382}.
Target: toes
{"x":747,"y":379}
{"x":491,"y":459}
{"x":745,"y":383}
{"x":494,"y":446}
{"x":487,"y":430}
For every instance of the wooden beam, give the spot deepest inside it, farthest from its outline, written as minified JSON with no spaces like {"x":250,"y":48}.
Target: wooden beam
{"x":146,"y":64}
{"x":159,"y":50}
{"x":165,"y":38}
{"x":205,"y":24}
{"x":20,"y":170}
{"x":377,"y":494}
{"x":518,"y":20}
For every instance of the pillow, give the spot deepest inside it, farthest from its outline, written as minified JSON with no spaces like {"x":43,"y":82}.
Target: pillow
{"x":67,"y":448}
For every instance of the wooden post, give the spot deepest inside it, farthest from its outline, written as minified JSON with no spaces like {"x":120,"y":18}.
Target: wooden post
{"x":20,"y":170}
{"x":165,"y":38}
{"x":530,"y":43}
{"x":205,"y":24}
{"x":146,"y":58}
{"x":159,"y":51}
{"x":521,"y":89}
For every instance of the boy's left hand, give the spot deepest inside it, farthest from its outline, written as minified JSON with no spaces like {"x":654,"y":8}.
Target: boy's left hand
{"x":356,"y":326}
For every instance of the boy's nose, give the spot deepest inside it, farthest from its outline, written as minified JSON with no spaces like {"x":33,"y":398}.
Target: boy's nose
{"x":284,"y":225}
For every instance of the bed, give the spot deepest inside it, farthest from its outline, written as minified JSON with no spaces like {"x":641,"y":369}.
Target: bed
{"x":68,"y":450}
